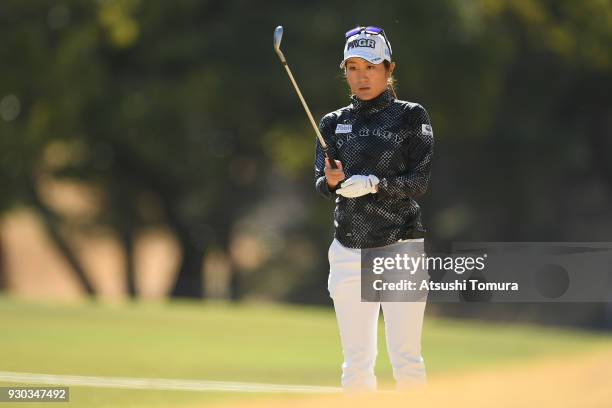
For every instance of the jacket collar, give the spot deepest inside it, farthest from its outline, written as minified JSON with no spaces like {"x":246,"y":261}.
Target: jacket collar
{"x":373,"y":105}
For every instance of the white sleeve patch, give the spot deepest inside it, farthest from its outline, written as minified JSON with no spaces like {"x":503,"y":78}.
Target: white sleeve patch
{"x":426,"y":130}
{"x":342,"y":128}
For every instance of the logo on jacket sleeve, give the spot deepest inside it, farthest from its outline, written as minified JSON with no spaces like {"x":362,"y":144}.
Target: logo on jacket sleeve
{"x":342,"y":128}
{"x":426,"y":130}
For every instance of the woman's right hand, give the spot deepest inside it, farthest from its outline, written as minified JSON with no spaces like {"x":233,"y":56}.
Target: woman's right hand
{"x":333,"y":176}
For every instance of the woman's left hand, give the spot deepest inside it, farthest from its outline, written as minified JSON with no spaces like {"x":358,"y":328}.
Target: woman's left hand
{"x":358,"y":185}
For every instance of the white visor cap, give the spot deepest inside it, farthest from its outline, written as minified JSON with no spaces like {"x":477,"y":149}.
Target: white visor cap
{"x":370,"y":47}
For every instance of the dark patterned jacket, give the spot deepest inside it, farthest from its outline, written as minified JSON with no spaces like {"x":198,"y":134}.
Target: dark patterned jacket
{"x":391,"y":139}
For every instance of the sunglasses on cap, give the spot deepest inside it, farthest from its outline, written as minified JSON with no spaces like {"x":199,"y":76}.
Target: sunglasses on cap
{"x":369,"y":30}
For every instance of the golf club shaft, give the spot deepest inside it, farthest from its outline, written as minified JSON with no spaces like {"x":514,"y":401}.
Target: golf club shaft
{"x":332,"y":163}
{"x":278,"y":33}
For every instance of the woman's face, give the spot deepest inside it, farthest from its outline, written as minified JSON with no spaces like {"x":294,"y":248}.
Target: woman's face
{"x":365,"y":79}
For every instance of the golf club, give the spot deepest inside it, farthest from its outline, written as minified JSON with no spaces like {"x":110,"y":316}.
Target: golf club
{"x":278,"y":35}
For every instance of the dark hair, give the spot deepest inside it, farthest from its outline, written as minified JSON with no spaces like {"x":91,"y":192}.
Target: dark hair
{"x":391,"y":82}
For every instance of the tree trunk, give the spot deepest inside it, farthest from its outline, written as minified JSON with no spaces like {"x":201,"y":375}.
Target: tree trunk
{"x":190,"y":279}
{"x":224,"y":235}
{"x":235,"y":282}
{"x":51,"y":224}
{"x":127,"y":240}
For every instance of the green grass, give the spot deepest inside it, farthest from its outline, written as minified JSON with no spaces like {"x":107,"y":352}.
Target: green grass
{"x":248,"y":342}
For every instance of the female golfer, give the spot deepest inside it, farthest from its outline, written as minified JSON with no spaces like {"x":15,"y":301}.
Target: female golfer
{"x":382,"y":147}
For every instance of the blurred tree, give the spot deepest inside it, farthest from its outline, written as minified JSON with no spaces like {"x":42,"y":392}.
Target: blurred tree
{"x":138,"y":120}
{"x":33,"y":111}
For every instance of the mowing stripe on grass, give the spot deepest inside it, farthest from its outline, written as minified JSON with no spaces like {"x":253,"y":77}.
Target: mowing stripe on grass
{"x":160,"y":383}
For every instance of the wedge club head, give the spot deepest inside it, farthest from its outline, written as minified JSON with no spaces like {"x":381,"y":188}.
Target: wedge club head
{"x":278,"y":36}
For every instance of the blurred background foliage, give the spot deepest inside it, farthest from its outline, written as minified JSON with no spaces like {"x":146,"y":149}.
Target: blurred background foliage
{"x":178,"y":115}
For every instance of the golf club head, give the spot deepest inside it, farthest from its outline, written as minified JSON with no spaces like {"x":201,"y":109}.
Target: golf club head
{"x":278,"y":36}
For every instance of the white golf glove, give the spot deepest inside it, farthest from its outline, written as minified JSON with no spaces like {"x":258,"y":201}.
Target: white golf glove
{"x":358,"y":185}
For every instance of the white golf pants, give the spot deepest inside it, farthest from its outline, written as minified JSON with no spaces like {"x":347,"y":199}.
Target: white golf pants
{"x":358,"y":323}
